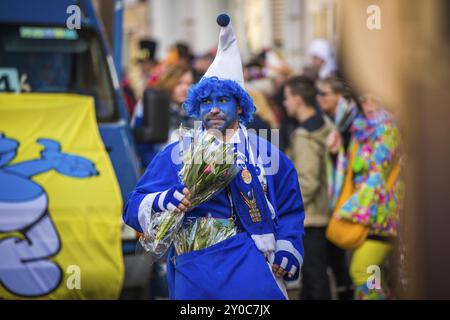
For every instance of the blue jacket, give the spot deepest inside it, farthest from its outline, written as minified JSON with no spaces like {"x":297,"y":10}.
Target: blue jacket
{"x":283,"y":196}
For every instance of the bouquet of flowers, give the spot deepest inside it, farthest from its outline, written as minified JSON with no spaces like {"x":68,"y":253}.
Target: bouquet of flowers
{"x":209,"y":165}
{"x":202,"y":233}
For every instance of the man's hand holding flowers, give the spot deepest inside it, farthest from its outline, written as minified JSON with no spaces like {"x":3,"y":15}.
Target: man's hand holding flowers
{"x":175,"y":199}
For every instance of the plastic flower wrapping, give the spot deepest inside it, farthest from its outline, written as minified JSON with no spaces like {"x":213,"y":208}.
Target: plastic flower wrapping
{"x":202,"y":233}
{"x":209,"y":165}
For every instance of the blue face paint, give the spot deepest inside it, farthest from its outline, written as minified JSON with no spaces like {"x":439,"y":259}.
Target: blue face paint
{"x":218,"y":111}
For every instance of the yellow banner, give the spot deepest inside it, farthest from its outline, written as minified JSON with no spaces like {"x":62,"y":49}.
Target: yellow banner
{"x":60,"y":203}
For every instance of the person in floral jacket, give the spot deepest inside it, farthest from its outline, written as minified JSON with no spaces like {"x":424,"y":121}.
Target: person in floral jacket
{"x":377,"y":197}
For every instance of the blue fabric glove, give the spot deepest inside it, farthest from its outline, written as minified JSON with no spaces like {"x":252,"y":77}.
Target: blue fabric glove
{"x":288,"y":262}
{"x":169,"y":199}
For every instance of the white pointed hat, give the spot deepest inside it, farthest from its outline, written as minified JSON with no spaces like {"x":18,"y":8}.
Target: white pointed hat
{"x":227,"y":64}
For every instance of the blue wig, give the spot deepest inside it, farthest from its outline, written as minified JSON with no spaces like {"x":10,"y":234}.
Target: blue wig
{"x":204,"y":88}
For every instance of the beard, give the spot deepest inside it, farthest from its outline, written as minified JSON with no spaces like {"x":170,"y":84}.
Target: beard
{"x":215,"y":122}
{"x":219,"y":122}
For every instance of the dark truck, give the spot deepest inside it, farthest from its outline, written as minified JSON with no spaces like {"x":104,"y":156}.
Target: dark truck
{"x":39,"y":53}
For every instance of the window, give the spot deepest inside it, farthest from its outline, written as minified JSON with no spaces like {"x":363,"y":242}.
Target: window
{"x":58,"y":60}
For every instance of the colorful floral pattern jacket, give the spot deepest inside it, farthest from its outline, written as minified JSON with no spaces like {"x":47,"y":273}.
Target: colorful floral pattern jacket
{"x":371,"y":203}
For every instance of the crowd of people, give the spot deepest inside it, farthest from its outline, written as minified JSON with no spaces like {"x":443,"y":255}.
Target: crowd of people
{"x":345,"y":148}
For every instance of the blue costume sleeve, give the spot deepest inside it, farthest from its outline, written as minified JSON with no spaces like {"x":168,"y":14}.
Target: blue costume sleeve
{"x":290,"y":210}
{"x":160,"y":175}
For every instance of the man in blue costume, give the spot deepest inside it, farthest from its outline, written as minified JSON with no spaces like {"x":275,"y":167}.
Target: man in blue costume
{"x":264,"y":198}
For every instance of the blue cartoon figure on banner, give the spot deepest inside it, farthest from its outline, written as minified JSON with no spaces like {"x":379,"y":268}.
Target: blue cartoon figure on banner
{"x":28,"y":237}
